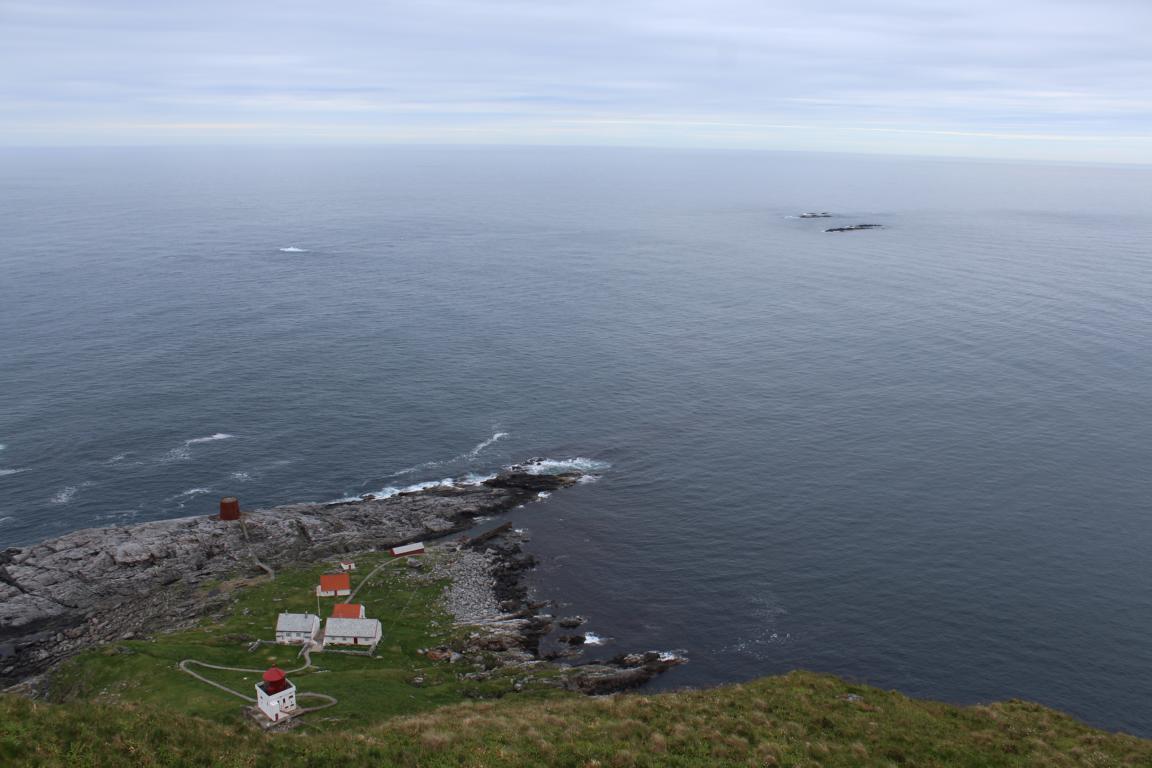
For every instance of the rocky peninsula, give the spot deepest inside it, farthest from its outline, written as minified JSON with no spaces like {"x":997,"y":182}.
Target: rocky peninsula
{"x":101,"y":585}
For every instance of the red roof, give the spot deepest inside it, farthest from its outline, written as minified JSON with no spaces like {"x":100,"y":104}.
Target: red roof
{"x":334,"y":582}
{"x":346,"y":611}
{"x":274,"y":675}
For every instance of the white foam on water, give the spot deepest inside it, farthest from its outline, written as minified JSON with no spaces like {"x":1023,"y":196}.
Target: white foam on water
{"x":5,"y":472}
{"x":476,"y":451}
{"x":472,"y":454}
{"x":192,"y":492}
{"x":543,"y":495}
{"x":209,"y":439}
{"x":447,"y":482}
{"x":184,"y":452}
{"x":6,"y":519}
{"x":591,"y":638}
{"x":117,"y":458}
{"x":66,"y":494}
{"x":556,"y":466}
{"x":241,"y":476}
{"x":293,"y":249}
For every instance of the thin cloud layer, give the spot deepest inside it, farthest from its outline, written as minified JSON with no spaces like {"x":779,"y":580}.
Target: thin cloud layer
{"x":1035,"y":78}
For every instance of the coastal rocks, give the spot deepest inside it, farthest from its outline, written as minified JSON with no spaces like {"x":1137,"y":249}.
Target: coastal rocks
{"x":816,"y":215}
{"x":507,"y":630}
{"x":620,"y":673}
{"x":63,"y":595}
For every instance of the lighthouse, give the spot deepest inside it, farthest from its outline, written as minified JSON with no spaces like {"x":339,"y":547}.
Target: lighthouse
{"x":275,"y":695}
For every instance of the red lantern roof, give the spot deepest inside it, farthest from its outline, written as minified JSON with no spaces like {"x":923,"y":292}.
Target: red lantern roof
{"x":274,"y":675}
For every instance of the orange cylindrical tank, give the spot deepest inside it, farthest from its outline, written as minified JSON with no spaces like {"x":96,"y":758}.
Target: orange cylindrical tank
{"x":230,"y":508}
{"x":274,"y":681}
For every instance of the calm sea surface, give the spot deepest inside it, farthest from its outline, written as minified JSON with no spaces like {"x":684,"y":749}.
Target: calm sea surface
{"x":920,"y":457}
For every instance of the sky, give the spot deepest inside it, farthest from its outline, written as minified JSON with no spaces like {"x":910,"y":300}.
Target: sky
{"x":1024,"y":79}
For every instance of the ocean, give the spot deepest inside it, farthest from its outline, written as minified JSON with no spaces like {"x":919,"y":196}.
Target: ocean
{"x":916,"y":456}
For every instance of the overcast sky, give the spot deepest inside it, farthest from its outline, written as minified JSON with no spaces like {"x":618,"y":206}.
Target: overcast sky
{"x":1044,"y":79}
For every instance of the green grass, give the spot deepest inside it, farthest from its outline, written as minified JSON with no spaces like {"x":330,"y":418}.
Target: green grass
{"x":369,"y":690}
{"x":800,"y":719}
{"x":117,"y":708}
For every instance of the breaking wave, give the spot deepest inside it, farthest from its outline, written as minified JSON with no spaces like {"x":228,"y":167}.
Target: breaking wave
{"x":5,"y":472}
{"x":293,"y":249}
{"x":449,"y":482}
{"x":556,"y":466}
{"x":591,"y":638}
{"x":6,"y":519}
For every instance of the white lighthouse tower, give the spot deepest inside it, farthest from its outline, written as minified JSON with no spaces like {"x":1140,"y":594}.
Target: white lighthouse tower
{"x":276,"y":696}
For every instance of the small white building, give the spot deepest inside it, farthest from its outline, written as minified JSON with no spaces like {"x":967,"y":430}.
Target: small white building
{"x":297,"y":628}
{"x":275,"y":695}
{"x":347,"y":565}
{"x":352,"y":632}
{"x":407,"y":550}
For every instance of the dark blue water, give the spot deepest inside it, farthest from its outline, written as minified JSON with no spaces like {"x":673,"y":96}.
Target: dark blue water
{"x":918,"y":456}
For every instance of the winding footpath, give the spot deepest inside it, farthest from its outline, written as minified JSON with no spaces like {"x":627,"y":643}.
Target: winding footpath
{"x":330,"y":701}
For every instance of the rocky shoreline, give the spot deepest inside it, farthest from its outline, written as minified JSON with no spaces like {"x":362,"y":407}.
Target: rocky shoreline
{"x":99,"y":585}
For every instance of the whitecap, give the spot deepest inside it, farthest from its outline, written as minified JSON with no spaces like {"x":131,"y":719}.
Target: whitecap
{"x":543,"y":495}
{"x":6,"y":519}
{"x":117,"y":458}
{"x":5,"y":472}
{"x":293,"y":249}
{"x":591,"y":638}
{"x":241,"y":476}
{"x":192,"y":492}
{"x":209,"y":439}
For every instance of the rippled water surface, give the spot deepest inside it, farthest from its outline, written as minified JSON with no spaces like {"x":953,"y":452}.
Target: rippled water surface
{"x":916,"y":456}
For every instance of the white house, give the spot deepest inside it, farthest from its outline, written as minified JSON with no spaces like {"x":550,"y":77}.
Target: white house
{"x":352,"y":632}
{"x":297,"y":628}
{"x":275,"y":695}
{"x":347,"y":565}
{"x":407,"y":550}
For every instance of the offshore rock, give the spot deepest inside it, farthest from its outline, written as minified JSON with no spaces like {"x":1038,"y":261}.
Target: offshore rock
{"x":96,"y":585}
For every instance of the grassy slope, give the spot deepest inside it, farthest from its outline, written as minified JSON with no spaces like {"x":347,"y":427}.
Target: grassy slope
{"x":799,"y":719}
{"x":135,"y":708}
